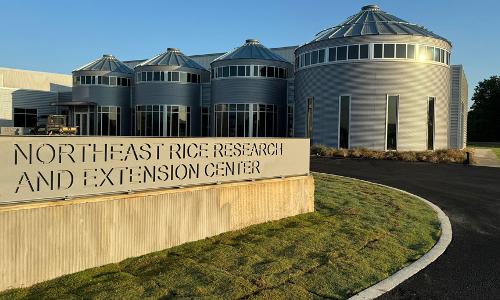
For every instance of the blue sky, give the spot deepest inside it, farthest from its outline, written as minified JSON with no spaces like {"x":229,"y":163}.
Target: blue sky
{"x":58,"y":36}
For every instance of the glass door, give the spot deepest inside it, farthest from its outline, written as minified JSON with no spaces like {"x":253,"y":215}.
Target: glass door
{"x":82,"y":123}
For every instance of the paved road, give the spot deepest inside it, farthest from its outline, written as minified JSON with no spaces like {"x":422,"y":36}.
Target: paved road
{"x":470,"y":196}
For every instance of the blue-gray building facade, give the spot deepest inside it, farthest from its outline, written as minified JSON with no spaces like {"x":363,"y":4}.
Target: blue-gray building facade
{"x":373,"y":81}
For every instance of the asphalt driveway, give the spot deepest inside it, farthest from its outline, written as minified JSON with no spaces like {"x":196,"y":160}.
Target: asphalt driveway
{"x":470,"y":196}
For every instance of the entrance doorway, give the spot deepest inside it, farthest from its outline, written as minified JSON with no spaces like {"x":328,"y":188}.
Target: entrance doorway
{"x":82,"y":123}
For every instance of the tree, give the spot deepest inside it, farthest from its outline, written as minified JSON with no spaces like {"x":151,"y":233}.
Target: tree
{"x":483,"y":124}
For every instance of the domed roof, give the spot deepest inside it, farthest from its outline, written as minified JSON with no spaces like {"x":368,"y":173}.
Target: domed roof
{"x":107,"y":63}
{"x":373,"y":21}
{"x":173,"y":57}
{"x":252,"y":49}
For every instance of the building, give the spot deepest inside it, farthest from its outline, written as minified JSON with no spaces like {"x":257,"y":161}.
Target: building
{"x":27,"y":98}
{"x":101,"y":103}
{"x":458,"y":108}
{"x":374,"y":81}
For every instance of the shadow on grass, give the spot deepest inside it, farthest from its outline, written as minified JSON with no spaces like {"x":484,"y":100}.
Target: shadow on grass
{"x":359,"y":234}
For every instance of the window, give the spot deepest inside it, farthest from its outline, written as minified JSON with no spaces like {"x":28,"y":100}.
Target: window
{"x":93,"y":79}
{"x":108,"y":121}
{"x":321,"y":56}
{"x":143,"y":76}
{"x":205,"y":121}
{"x":247,"y":68}
{"x":410,"y":52}
{"x":436,"y":54}
{"x":183,"y":77}
{"x":225,"y":71}
{"x":392,"y":122}
{"x":105,"y":80}
{"x":377,"y":51}
{"x":77,"y":80}
{"x":354,"y":52}
{"x":309,"y":118}
{"x":400,"y":50}
{"x":149,"y":76}
{"x":430,"y":123}
{"x":162,"y":76}
{"x":388,"y":50}
{"x":232,"y":71}
{"x":244,"y":120}
{"x":332,"y":54}
{"x":342,"y":53}
{"x":344,"y":122}
{"x":156,"y":76}
{"x":25,"y":117}
{"x":163,"y":120}
{"x":363,"y":51}
{"x":263,"y":71}
{"x":270,"y":71}
{"x":281,"y":73}
{"x":112,"y":80}
{"x":241,"y":71}
{"x":308,"y":59}
{"x":441,"y":56}
{"x":430,"y":53}
{"x":99,"y":79}
{"x":175,"y":76}
{"x":314,"y":57}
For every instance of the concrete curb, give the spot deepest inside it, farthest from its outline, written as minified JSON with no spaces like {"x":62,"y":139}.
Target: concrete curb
{"x":395,"y":279}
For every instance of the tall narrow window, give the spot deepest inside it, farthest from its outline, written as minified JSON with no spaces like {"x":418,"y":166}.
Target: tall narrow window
{"x":430,"y":123}
{"x":290,"y":120}
{"x":392,"y":122}
{"x":309,"y":128}
{"x":344,"y":115}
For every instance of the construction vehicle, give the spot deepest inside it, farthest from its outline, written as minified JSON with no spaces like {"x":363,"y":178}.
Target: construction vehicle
{"x":56,"y":125}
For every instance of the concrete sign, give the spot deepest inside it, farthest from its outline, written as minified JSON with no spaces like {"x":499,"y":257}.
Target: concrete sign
{"x":57,"y":167}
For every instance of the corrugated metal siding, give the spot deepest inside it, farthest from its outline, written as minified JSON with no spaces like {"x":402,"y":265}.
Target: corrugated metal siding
{"x":368,"y":83}
{"x":169,"y":93}
{"x":206,"y":92}
{"x":458,"y":108}
{"x":32,"y":80}
{"x":42,"y":241}
{"x":20,"y":98}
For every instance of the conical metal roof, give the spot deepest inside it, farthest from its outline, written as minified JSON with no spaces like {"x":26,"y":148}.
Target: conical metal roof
{"x":107,"y":63}
{"x":373,"y":21}
{"x":252,"y":49}
{"x":173,"y":57}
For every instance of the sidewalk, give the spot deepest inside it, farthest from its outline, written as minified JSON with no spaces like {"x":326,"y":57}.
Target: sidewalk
{"x":486,"y":158}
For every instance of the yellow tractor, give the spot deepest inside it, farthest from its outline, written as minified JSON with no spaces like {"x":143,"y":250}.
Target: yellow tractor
{"x":56,"y":125}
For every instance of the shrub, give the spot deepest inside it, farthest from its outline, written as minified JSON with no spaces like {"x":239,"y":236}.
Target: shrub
{"x":437,"y":156}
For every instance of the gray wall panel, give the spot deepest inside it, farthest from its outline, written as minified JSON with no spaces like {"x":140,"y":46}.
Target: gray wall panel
{"x":458,"y":108}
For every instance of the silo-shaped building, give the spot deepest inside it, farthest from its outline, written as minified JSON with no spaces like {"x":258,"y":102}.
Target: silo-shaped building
{"x":374,"y":81}
{"x":167,"y":99}
{"x":248,"y":92}
{"x":101,"y":98}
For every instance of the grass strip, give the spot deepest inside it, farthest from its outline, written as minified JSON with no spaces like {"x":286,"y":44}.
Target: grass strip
{"x":359,"y":234}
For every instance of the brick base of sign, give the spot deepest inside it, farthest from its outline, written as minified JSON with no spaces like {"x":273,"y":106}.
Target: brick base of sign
{"x":41,"y":241}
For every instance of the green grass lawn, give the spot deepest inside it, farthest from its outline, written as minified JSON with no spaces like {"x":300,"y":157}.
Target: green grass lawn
{"x":495,"y":147}
{"x":359,"y":234}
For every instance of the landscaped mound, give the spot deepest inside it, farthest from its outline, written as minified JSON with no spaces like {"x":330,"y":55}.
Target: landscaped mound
{"x":436,"y":156}
{"x":359,"y":234}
